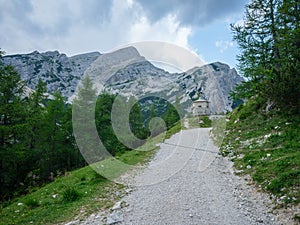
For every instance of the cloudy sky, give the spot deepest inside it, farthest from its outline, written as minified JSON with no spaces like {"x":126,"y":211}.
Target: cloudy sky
{"x":79,"y":26}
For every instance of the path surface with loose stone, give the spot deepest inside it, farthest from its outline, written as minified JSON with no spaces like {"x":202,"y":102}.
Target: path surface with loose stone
{"x":188,"y":182}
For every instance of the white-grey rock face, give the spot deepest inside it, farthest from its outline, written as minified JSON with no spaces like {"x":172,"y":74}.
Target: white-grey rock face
{"x":106,"y":65}
{"x":128,"y":73}
{"x":59,"y":72}
{"x":215,"y":81}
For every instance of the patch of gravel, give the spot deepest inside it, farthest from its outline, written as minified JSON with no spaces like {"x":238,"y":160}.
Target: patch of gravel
{"x":188,"y":182}
{"x":182,"y":185}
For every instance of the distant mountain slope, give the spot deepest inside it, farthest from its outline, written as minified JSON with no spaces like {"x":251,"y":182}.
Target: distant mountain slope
{"x":59,"y":72}
{"x":130,"y":74}
{"x":126,"y":72}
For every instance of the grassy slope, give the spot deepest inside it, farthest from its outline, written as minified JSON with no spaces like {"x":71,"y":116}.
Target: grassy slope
{"x":266,"y":146}
{"x":77,"y":194}
{"x":199,"y":122}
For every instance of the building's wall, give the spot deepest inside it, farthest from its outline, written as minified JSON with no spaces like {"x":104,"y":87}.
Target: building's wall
{"x":201,"y":108}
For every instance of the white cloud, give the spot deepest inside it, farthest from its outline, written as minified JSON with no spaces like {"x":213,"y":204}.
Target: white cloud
{"x":76,"y":26}
{"x":167,"y":29}
{"x":72,"y":27}
{"x":224,"y":45}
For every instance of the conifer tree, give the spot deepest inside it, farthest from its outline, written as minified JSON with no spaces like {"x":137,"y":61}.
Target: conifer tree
{"x":269,"y":39}
{"x":13,"y":152}
{"x":36,"y":112}
{"x":52,"y":139}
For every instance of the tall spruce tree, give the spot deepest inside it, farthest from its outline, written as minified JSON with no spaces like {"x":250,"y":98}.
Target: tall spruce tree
{"x":52,"y":139}
{"x":284,"y":85}
{"x":104,"y":125}
{"x":136,"y":120}
{"x":36,"y":112}
{"x":85,"y":124}
{"x":13,"y":152}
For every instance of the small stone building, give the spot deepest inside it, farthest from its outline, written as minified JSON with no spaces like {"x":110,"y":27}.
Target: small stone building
{"x":201,"y":108}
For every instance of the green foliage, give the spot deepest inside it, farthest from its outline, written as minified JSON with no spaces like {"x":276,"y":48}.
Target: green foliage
{"x":59,"y":201}
{"x":175,"y":129}
{"x":270,"y":144}
{"x":95,"y":193}
{"x":287,"y":179}
{"x":269,"y":59}
{"x":83,"y":120}
{"x":31,"y":203}
{"x":37,"y":142}
{"x":162,"y":114}
{"x":136,"y":120}
{"x":14,"y":155}
{"x":104,"y":124}
{"x":205,"y":121}
{"x":70,"y":194}
{"x":199,"y":122}
{"x":171,"y":116}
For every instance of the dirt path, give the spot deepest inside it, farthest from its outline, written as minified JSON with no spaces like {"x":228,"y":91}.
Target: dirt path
{"x":189,"y":183}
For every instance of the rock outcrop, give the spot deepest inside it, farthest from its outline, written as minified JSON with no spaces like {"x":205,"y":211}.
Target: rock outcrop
{"x":126,"y":72}
{"x":59,"y":72}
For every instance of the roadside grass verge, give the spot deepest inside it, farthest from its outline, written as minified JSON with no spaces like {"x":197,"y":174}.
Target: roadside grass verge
{"x":199,"y":122}
{"x":78,"y":193}
{"x":266,"y":146}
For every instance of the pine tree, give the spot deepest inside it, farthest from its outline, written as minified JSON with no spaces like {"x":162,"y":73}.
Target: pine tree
{"x":13,"y":152}
{"x":171,"y":116}
{"x":72,"y":155}
{"x":36,"y":112}
{"x":136,"y":122}
{"x":154,"y":125}
{"x":51,"y":142}
{"x":284,"y":85}
{"x":112,"y":141}
{"x":85,"y":122}
{"x":269,"y":59}
{"x":256,"y":39}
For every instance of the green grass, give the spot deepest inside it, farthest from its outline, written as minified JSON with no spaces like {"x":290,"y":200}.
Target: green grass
{"x":266,"y":146}
{"x":199,"y":122}
{"x":79,"y":193}
{"x":218,"y":130}
{"x":173,"y":130}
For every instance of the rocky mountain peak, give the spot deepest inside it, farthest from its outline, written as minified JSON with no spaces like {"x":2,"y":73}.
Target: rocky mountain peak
{"x":128,"y":73}
{"x":57,"y":70}
{"x":108,"y":64}
{"x":124,"y":56}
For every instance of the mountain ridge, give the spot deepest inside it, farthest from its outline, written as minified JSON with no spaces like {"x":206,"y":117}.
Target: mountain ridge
{"x":57,"y":70}
{"x":126,"y":72}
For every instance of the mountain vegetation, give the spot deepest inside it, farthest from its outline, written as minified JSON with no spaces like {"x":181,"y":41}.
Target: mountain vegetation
{"x":126,"y":72}
{"x":263,"y":133}
{"x":269,"y":40}
{"x":266,"y":145}
{"x":37,"y":142}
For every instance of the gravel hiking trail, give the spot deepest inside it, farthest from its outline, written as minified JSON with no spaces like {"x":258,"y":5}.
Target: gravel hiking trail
{"x":188,"y":182}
